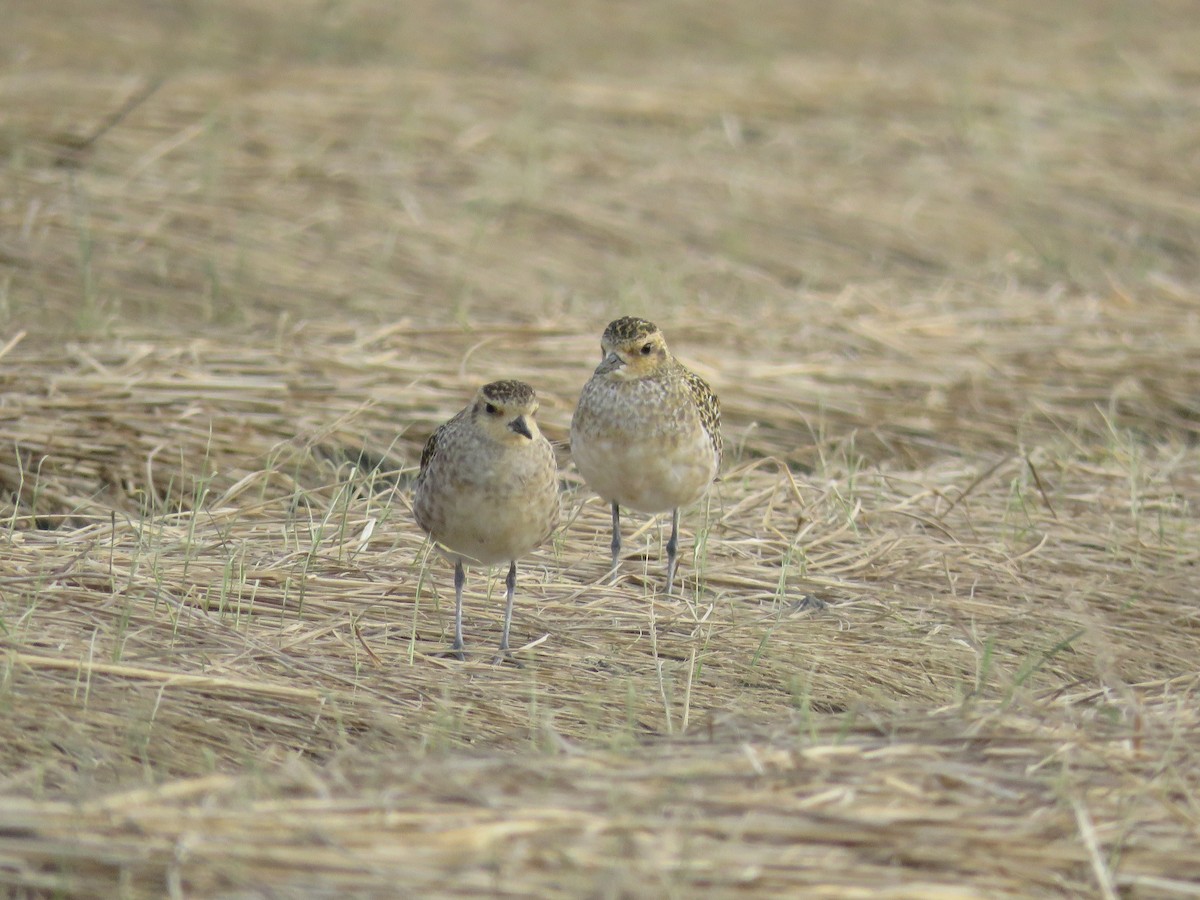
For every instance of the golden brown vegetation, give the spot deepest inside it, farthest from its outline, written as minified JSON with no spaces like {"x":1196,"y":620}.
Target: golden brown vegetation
{"x":940,"y":633}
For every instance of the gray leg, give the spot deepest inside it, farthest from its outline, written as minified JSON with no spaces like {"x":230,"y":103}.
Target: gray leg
{"x":510,"y":584}
{"x":460,"y":578}
{"x":616,"y":537}
{"x":672,"y":547}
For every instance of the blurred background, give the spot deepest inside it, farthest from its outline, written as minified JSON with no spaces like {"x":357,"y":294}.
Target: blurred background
{"x":226,"y":165}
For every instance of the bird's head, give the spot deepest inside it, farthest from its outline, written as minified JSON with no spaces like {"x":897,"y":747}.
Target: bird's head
{"x":632,"y":348}
{"x":505,"y":411}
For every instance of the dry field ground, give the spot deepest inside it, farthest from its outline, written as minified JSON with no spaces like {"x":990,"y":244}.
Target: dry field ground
{"x":940,"y":633}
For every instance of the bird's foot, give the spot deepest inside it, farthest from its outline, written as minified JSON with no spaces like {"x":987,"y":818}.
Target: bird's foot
{"x":505,"y":656}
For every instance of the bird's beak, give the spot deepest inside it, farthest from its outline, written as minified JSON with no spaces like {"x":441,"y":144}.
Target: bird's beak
{"x":521,"y":427}
{"x":610,"y":363}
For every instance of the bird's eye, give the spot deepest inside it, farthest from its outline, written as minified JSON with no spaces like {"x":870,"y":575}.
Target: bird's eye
{"x":647,"y":349}
{"x":491,"y":409}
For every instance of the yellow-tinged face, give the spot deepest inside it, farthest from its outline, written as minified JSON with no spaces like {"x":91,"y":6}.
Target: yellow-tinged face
{"x":632,"y":356}
{"x":505,"y":411}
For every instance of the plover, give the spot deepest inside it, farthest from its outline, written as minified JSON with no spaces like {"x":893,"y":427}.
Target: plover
{"x":487,"y":492}
{"x":647,"y":431}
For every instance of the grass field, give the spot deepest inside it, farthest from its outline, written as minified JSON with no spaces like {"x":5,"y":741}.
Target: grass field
{"x":939,"y":635}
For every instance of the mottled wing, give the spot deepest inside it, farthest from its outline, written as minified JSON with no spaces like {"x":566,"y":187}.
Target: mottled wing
{"x":709,"y":408}
{"x":430,"y":448}
{"x":431,"y":445}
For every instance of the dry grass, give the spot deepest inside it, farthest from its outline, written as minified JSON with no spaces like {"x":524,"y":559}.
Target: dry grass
{"x":940,"y":634}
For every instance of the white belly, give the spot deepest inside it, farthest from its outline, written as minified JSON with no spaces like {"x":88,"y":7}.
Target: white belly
{"x":647,"y":476}
{"x":476,"y":529}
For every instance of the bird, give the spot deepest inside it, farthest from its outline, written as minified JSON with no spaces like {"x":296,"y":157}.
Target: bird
{"x":487,"y":491}
{"x":646,"y":433}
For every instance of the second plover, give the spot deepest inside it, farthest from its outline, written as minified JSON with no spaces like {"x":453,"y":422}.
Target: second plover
{"x":646,"y":433}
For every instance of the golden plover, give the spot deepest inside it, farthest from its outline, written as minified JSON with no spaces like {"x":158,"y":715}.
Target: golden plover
{"x":647,"y":431}
{"x":488,"y":488}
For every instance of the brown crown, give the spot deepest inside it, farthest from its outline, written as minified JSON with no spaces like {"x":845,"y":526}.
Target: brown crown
{"x":628,"y":328}
{"x":508,"y":392}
